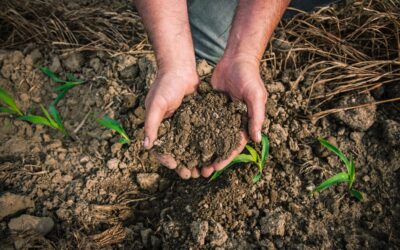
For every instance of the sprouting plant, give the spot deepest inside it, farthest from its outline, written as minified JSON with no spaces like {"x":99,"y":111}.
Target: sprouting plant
{"x":68,"y":84}
{"x":51,"y":118}
{"x":11,"y":106}
{"x":253,"y":157}
{"x":348,"y":177}
{"x":112,"y":124}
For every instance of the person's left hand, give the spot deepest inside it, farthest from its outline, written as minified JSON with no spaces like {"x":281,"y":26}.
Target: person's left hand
{"x":239,"y":77}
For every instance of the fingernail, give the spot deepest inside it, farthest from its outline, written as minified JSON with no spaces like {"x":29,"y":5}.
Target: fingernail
{"x":258,"y":136}
{"x":146,"y":142}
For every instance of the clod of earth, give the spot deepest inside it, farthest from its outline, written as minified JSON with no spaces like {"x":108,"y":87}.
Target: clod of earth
{"x":206,"y":128}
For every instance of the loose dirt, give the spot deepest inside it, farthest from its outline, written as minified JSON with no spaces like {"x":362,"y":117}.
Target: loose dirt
{"x":205,"y":128}
{"x":91,"y":192}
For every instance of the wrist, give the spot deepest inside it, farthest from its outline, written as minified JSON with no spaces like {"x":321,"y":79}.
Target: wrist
{"x":184,"y":78}
{"x":235,"y":62}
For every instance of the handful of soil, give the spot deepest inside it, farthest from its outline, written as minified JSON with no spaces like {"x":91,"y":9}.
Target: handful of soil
{"x":206,"y":128}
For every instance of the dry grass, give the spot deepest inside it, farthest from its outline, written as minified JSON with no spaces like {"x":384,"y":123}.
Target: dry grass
{"x":339,"y":50}
{"x":91,"y":28}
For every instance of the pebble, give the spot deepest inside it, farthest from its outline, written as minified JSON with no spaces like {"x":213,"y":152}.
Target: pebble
{"x":13,"y":203}
{"x":274,"y":224}
{"x":199,"y":231}
{"x":73,"y":62}
{"x":219,"y":236}
{"x":113,"y":164}
{"x":25,"y":222}
{"x":148,"y":181}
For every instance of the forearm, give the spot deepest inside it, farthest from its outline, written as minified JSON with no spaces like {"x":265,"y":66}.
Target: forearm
{"x":167,"y":24}
{"x":254,"y":22}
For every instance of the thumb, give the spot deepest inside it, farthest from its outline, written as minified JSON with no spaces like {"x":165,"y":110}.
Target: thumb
{"x":154,"y":116}
{"x":256,"y":111}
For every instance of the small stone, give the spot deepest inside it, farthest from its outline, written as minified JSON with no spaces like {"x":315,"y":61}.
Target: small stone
{"x":203,"y":68}
{"x":113,"y":164}
{"x":199,"y":231}
{"x":391,"y":132}
{"x":276,"y":87}
{"x":13,"y":203}
{"x":95,"y":64}
{"x":129,"y":100}
{"x":73,"y":62}
{"x":41,"y":225}
{"x":366,"y":178}
{"x":115,"y":148}
{"x":219,"y":236}
{"x":274,"y":224}
{"x":55,"y":65}
{"x":360,"y":119}
{"x":148,"y":181}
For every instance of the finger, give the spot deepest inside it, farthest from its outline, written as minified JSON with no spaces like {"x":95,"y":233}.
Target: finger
{"x":195,"y":173}
{"x":165,"y":160}
{"x":184,"y":173}
{"x":154,"y":116}
{"x":207,"y":171}
{"x":243,"y":141}
{"x":256,"y":110}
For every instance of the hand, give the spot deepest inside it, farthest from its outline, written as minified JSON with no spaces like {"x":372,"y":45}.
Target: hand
{"x":164,"y":97}
{"x":239,"y":76}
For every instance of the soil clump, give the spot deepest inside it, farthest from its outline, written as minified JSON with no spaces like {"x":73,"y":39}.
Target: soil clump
{"x":205,"y":128}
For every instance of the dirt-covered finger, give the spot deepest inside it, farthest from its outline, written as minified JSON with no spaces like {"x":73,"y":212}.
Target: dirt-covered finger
{"x":256,"y":110}
{"x":154,"y":116}
{"x":184,"y":173}
{"x":166,"y":160}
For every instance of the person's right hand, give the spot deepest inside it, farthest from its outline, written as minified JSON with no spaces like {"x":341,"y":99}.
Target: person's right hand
{"x":164,"y":97}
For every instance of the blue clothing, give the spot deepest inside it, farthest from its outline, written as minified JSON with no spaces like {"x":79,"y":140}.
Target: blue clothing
{"x":210,"y":23}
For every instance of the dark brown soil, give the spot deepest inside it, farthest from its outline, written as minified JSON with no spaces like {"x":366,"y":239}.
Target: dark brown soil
{"x":205,"y":128}
{"x":102,"y":195}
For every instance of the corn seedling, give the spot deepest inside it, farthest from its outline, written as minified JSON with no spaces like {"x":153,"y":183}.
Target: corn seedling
{"x":68,"y":84}
{"x":253,"y":157}
{"x":10,"y":105}
{"x":112,"y":124}
{"x":348,"y":177}
{"x":51,"y":118}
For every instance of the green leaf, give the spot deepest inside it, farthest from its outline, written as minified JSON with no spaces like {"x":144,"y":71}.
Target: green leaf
{"x":67,"y":86}
{"x":72,"y":78}
{"x":58,"y":98}
{"x":337,"y":151}
{"x":53,"y":76}
{"x":7,"y":110}
{"x":341,"y":177}
{"x":356,"y":194}
{"x":107,"y":122}
{"x":238,"y":159}
{"x":35,"y":119}
{"x":265,"y":150}
{"x":352,"y":173}
{"x":49,"y":118}
{"x":123,"y":141}
{"x":9,"y":101}
{"x":257,"y":177}
{"x":57,"y":118}
{"x":252,"y":152}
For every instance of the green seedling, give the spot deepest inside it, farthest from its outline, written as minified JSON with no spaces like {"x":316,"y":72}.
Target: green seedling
{"x":342,"y":177}
{"x":51,"y":118}
{"x":10,"y":105}
{"x":253,"y":157}
{"x":112,"y":124}
{"x":68,"y":84}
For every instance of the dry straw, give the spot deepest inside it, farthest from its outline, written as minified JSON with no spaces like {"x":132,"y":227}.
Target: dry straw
{"x":339,"y":50}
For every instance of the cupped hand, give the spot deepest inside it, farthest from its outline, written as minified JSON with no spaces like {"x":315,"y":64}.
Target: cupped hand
{"x":239,"y":77}
{"x":164,"y":97}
